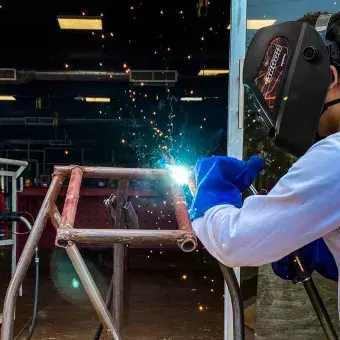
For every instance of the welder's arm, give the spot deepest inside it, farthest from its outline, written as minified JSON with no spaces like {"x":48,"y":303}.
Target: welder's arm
{"x":303,"y":206}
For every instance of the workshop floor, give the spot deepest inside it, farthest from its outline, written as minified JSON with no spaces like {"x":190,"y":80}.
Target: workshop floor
{"x":159,"y":305}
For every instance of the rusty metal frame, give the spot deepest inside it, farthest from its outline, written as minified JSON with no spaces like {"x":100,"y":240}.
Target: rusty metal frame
{"x":67,"y":237}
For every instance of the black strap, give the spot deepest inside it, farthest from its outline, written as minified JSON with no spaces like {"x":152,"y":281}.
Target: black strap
{"x":332,"y":103}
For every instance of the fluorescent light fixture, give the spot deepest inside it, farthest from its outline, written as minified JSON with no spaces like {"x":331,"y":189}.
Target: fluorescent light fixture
{"x":191,"y":99}
{"x":257,"y":24}
{"x":97,"y":99}
{"x":208,"y":72}
{"x":80,"y":23}
{"x":7,"y":98}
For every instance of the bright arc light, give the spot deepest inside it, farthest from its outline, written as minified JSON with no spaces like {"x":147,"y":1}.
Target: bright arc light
{"x":257,"y":24}
{"x":97,"y":99}
{"x":191,"y":99}
{"x":80,"y":23}
{"x":2,"y":97}
{"x":180,"y":174}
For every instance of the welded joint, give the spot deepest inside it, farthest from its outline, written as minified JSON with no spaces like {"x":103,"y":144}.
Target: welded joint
{"x":187,"y":243}
{"x":182,"y":202}
{"x":67,"y":173}
{"x":66,"y":226}
{"x":64,"y":240}
{"x":60,"y":174}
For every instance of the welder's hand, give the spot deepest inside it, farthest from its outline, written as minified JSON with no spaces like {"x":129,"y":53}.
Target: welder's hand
{"x":221,"y":180}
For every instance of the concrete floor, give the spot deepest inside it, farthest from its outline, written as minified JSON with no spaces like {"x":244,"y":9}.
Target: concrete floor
{"x":160,"y":305}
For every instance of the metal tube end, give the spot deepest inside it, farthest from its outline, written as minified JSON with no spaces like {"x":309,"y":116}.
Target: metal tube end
{"x":188,"y":243}
{"x":63,"y":241}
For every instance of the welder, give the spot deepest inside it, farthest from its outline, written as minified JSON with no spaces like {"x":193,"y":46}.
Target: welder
{"x":293,"y":71}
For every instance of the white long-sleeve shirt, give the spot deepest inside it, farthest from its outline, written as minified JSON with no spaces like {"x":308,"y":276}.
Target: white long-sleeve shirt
{"x":302,"y":207}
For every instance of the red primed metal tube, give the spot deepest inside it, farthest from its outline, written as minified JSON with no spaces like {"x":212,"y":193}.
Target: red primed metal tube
{"x":180,"y":206}
{"x":72,"y":199}
{"x":181,"y":209}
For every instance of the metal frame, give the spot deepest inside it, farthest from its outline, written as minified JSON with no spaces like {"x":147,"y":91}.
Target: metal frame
{"x":237,"y":52}
{"x":67,"y":237}
{"x":14,"y":175}
{"x":12,"y":241}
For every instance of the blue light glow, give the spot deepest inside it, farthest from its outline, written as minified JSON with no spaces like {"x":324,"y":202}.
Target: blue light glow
{"x":75,"y":283}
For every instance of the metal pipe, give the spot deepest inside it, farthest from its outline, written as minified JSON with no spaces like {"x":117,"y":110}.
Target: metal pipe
{"x":320,"y":309}
{"x":10,"y":121}
{"x":65,"y":237}
{"x":108,"y":302}
{"x":181,"y":209}
{"x":188,"y":243}
{"x":87,"y":280}
{"x":14,"y":223}
{"x":303,"y":275}
{"x":92,"y":290}
{"x":36,"y":285}
{"x":114,"y":173}
{"x":118,"y":286}
{"x":72,"y":198}
{"x":13,"y":162}
{"x":118,"y":259}
{"x":180,"y":205}
{"x":26,"y":256}
{"x":236,"y":301}
{"x":253,"y":190}
{"x":7,"y":173}
{"x":25,"y":221}
{"x":85,"y":75}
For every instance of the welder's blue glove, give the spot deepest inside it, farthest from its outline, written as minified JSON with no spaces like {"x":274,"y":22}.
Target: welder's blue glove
{"x":316,"y":256}
{"x":221,"y":180}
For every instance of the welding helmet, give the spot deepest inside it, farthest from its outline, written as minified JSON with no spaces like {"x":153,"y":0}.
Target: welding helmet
{"x":287,"y":73}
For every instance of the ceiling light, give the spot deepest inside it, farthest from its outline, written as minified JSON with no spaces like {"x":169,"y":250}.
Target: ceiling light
{"x":97,"y":99}
{"x":7,"y":97}
{"x":191,"y":99}
{"x":257,"y":24}
{"x":80,"y":23}
{"x":208,"y":72}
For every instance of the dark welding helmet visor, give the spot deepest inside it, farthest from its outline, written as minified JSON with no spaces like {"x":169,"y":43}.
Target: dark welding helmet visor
{"x":287,"y":73}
